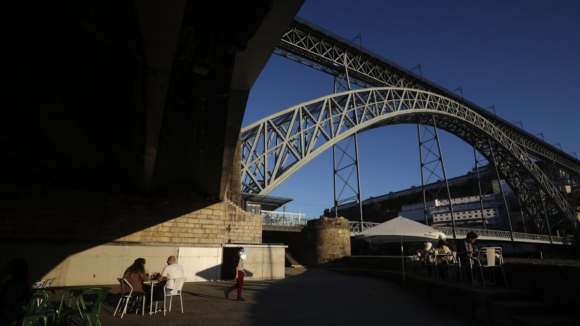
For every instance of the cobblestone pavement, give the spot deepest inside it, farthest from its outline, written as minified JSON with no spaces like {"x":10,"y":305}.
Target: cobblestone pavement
{"x":304,"y":297}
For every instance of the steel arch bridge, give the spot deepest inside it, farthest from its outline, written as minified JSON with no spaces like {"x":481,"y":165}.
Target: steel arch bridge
{"x":276,"y":147}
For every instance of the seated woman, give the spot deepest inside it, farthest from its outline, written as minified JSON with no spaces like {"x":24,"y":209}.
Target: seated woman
{"x":443,"y":261}
{"x":136,"y":274}
{"x":442,"y":249}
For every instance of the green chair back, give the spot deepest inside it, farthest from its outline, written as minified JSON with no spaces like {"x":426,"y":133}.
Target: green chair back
{"x":87,"y":306}
{"x":38,"y":308}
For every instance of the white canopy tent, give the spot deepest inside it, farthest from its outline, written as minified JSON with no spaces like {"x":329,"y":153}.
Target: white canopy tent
{"x":401,"y":229}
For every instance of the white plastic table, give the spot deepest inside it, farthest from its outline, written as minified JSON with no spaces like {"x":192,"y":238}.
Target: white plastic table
{"x":152,"y":283}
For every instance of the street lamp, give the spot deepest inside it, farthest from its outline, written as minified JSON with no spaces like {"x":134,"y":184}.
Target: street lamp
{"x":521,"y":124}
{"x":541,"y":134}
{"x":559,"y":145}
{"x":493,"y":108}
{"x":460,"y":90}
{"x":574,"y":154}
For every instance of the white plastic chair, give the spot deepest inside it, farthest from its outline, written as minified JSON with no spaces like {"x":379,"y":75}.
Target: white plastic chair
{"x":126,"y":296}
{"x":489,"y":258}
{"x":177,"y":286}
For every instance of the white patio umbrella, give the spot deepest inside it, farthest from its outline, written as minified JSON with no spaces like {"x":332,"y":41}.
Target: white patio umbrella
{"x":400,"y":229}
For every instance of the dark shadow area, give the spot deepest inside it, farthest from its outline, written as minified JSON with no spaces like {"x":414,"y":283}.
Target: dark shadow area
{"x":209,"y":271}
{"x":319,"y":296}
{"x":57,"y":222}
{"x":294,"y":241}
{"x":117,"y":116}
{"x":549,"y":281}
{"x":228,"y":267}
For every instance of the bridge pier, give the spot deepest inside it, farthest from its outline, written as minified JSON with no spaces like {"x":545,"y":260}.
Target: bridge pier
{"x":328,"y":238}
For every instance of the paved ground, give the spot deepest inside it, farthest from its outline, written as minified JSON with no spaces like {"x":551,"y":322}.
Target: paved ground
{"x":304,"y":297}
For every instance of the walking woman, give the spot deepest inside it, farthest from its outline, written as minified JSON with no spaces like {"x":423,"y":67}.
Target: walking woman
{"x":240,"y":273}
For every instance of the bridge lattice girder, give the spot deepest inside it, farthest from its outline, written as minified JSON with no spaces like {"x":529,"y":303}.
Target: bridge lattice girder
{"x":312,"y":46}
{"x":277,"y":146}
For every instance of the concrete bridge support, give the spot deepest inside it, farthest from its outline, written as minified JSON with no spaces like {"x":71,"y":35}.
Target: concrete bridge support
{"x":328,"y":239}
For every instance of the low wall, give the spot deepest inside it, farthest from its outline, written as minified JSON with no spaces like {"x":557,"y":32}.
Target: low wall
{"x":103,"y":264}
{"x":327,"y":239}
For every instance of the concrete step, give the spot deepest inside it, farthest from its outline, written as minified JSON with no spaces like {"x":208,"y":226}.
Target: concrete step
{"x":296,"y":266}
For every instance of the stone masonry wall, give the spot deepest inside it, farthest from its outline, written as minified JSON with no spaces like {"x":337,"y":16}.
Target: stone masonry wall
{"x":48,"y":214}
{"x":330,"y":239}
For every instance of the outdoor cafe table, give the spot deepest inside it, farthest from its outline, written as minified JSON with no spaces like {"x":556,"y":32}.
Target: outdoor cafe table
{"x":152,"y":283}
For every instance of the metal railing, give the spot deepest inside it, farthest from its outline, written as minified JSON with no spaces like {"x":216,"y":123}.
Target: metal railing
{"x":286,"y":219}
{"x":355,"y":227}
{"x":496,"y":235}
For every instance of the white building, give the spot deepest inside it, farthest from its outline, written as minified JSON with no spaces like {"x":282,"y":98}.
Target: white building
{"x":467,"y":211}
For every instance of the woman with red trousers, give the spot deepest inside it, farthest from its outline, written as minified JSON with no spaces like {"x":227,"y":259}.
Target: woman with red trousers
{"x":240,"y":273}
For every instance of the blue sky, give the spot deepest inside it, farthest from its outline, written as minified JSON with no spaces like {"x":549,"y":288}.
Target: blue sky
{"x":523,"y":57}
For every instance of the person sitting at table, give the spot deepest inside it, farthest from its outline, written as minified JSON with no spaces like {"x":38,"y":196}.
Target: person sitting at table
{"x":427,"y":253}
{"x":171,"y":271}
{"x":136,"y":274}
{"x":443,"y":256}
{"x":442,"y":249}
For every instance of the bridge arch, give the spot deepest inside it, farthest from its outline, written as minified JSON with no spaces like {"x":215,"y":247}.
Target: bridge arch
{"x":275,"y":147}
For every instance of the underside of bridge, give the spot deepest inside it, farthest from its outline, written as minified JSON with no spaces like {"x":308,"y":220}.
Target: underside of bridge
{"x":145,"y":96}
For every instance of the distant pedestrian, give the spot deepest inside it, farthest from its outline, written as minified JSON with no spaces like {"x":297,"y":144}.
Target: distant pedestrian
{"x":240,"y":273}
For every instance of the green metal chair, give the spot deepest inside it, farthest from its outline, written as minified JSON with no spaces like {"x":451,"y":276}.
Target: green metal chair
{"x":87,"y":306}
{"x":38,"y":309}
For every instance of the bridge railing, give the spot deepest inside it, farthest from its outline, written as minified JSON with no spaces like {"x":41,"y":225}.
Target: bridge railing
{"x":356,"y":227}
{"x":497,"y":235}
{"x":502,"y":235}
{"x":270,"y":218}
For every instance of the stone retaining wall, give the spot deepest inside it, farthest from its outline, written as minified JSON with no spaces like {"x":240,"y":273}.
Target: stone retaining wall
{"x":40,"y":213}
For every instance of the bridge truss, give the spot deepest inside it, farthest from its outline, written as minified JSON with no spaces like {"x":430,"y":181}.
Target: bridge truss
{"x":277,"y":146}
